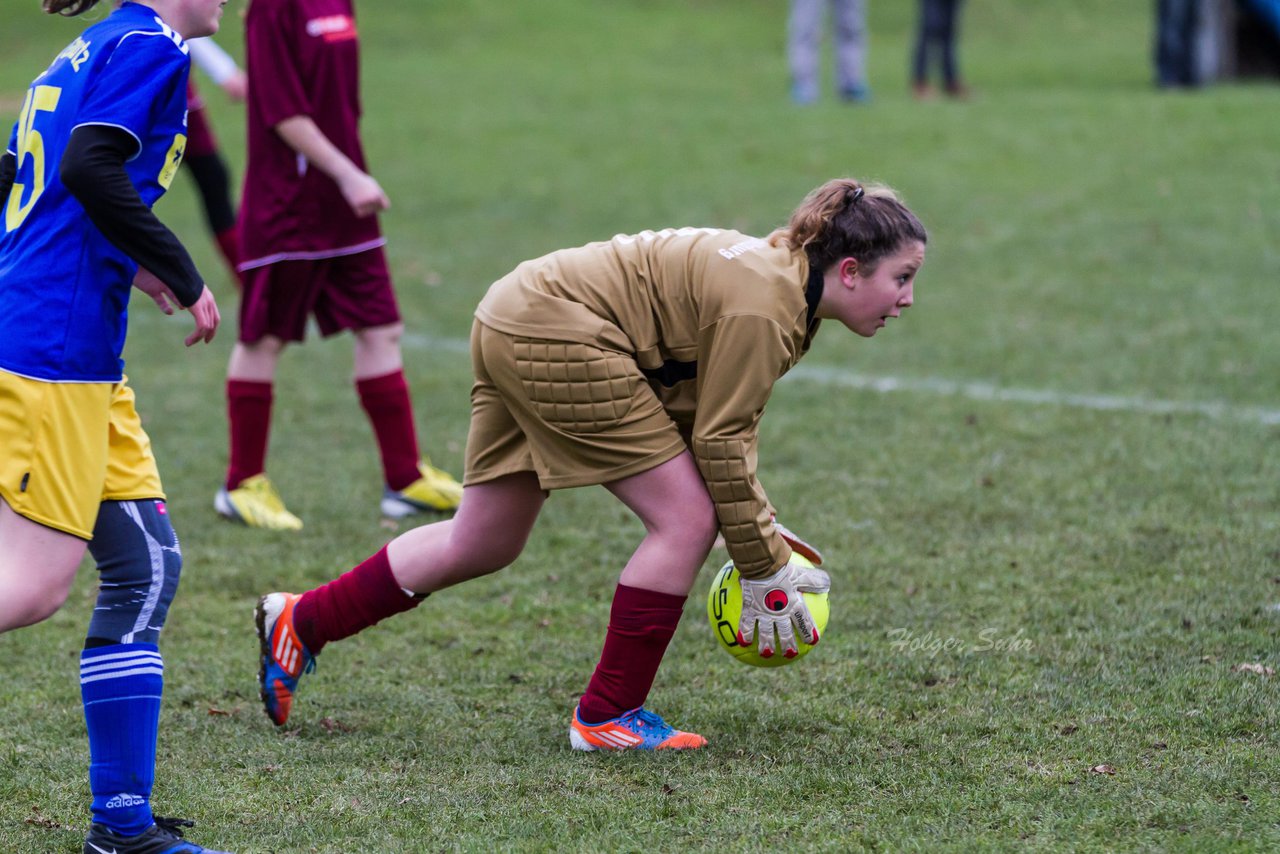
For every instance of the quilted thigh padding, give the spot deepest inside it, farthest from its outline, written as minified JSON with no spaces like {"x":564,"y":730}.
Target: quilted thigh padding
{"x":576,"y":387}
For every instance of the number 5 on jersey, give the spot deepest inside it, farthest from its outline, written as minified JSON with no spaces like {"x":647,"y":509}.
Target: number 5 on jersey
{"x":30,"y":144}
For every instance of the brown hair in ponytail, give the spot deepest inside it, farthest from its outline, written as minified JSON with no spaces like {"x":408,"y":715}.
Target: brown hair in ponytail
{"x":843,"y":218}
{"x":68,"y":8}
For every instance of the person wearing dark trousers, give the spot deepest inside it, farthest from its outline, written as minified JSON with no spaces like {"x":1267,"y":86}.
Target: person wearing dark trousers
{"x":936,"y":44}
{"x":1177,"y":23}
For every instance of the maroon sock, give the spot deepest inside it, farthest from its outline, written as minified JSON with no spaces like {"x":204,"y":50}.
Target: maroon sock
{"x":228,"y":241}
{"x":386,"y":401}
{"x":249,"y":417}
{"x":641,"y":624}
{"x":350,"y":603}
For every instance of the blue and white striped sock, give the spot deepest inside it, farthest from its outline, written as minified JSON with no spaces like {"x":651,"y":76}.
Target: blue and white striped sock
{"x":120,"y":686}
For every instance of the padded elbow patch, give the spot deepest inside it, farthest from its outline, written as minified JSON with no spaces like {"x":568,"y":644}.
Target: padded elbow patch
{"x":139,"y":562}
{"x":728,"y":467}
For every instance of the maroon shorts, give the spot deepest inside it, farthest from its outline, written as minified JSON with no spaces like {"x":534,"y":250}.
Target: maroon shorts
{"x":346,"y":292}
{"x":200,"y":138}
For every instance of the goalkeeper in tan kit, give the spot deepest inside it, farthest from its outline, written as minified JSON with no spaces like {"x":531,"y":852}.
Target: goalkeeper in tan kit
{"x":643,"y":364}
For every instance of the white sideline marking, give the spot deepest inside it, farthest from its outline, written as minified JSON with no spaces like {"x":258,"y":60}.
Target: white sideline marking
{"x":987,"y":391}
{"x":418,"y":341}
{"x":972,"y":390}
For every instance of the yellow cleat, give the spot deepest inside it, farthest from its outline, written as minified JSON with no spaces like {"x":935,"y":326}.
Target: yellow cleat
{"x":436,"y":490}
{"x":256,"y":503}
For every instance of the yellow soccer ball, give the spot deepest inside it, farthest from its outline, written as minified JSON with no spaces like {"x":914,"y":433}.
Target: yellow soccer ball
{"x":724,"y":608}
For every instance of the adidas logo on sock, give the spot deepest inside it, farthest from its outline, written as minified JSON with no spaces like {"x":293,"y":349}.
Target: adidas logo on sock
{"x":124,"y":799}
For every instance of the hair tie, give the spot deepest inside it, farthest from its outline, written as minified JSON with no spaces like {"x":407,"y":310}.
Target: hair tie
{"x":858,"y":193}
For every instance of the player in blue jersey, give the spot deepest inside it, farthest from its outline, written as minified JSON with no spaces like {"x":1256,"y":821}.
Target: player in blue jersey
{"x":99,"y":138}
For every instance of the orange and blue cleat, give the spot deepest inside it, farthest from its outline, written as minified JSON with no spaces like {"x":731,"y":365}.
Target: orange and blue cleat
{"x":285,"y":658}
{"x":638,"y":729}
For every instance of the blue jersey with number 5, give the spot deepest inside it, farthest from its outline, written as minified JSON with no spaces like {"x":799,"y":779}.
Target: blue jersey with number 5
{"x":64,"y":289}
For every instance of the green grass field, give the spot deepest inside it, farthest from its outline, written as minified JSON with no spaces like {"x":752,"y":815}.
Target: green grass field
{"x":1049,"y":496}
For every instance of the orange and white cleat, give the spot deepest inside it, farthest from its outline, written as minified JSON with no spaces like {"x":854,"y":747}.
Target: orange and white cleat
{"x":638,"y":729}
{"x":284,"y":657}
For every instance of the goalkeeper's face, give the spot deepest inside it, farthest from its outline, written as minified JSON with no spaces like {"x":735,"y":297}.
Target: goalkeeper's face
{"x":864,"y":300}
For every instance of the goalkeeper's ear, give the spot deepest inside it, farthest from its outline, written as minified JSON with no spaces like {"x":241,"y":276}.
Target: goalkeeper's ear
{"x":798,"y":545}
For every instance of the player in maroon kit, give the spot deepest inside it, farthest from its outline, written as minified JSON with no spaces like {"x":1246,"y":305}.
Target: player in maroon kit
{"x":311,"y":246}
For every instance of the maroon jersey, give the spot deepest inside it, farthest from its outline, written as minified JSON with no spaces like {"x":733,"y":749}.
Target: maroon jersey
{"x":303,"y":59}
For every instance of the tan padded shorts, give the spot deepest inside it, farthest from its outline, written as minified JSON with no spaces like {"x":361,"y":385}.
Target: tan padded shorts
{"x":572,"y":413}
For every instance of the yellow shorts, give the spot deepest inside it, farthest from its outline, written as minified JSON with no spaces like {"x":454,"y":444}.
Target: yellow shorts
{"x":70,"y":446}
{"x":572,"y":413}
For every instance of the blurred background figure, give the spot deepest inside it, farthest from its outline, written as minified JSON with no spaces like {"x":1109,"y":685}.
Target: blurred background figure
{"x":203,"y":160}
{"x":936,"y":45}
{"x":1177,"y":33}
{"x":1267,"y":12}
{"x":1239,"y":40}
{"x":804,"y":48}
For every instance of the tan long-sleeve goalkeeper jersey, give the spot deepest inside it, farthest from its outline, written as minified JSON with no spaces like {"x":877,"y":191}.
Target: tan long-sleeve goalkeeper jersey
{"x":712,"y":317}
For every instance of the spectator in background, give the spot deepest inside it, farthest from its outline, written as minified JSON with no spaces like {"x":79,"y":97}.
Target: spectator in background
{"x":936,"y":40}
{"x":1266,"y":11}
{"x":203,"y":160}
{"x":804,"y":48}
{"x":1177,"y":27}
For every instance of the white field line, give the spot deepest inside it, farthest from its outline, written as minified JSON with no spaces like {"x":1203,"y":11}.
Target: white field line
{"x":419,"y":341}
{"x":971,"y":390}
{"x":987,"y":391}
